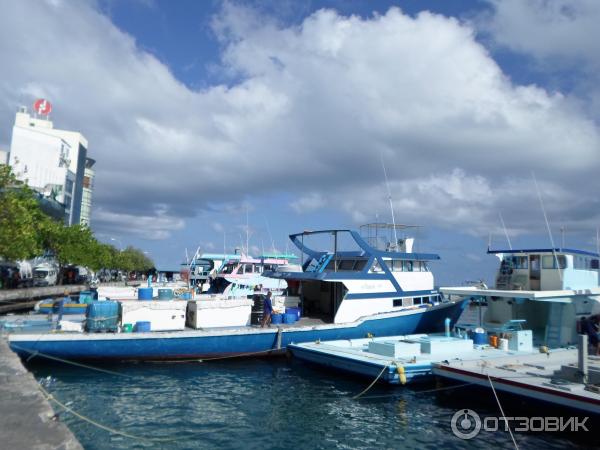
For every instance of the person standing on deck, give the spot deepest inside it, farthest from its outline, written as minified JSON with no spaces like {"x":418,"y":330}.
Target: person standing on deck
{"x":267,"y":309}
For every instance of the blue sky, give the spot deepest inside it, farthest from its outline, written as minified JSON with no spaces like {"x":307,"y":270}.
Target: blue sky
{"x":198,"y":111}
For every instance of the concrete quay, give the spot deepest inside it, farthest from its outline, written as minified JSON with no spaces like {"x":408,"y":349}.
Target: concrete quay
{"x":25,"y":298}
{"x":26,"y":417}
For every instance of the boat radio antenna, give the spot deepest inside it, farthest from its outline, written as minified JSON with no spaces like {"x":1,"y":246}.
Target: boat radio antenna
{"x":387,"y":185}
{"x":505,"y":231}
{"x":537,"y":189}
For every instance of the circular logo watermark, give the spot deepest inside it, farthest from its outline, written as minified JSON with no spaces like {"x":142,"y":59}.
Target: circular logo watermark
{"x":465,"y":424}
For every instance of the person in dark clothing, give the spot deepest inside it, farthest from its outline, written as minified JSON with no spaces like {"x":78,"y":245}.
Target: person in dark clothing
{"x":590,"y":327}
{"x":267,"y":310}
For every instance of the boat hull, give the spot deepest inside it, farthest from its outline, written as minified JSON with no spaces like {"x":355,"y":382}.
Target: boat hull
{"x":245,"y":341}
{"x":412,"y":372}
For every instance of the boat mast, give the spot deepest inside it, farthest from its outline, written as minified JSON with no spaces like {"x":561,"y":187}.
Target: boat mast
{"x":547,"y":226}
{"x":505,"y":231}
{"x":390,"y":200}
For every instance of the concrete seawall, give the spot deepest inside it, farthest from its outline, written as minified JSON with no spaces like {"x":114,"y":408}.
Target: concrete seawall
{"x":26,"y":417}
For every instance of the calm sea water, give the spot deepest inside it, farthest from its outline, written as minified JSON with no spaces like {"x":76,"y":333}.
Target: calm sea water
{"x":270,"y":404}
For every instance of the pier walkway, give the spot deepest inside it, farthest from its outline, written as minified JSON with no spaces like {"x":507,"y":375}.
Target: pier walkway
{"x":26,"y":417}
{"x":24,"y":298}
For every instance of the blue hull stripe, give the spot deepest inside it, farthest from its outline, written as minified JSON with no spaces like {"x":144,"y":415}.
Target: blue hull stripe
{"x":205,"y":346}
{"x":390,"y":294}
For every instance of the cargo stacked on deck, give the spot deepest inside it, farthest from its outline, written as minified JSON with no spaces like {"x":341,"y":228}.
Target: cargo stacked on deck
{"x":163,"y":315}
{"x":102,"y":316}
{"x":219,"y":313}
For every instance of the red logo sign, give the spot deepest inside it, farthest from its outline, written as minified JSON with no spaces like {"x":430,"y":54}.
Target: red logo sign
{"x":42,"y":107}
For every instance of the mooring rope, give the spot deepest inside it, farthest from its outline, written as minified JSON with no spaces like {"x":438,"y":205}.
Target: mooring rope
{"x":34,"y":353}
{"x":427,"y":391}
{"x":372,"y":384}
{"x":502,"y":412}
{"x":50,"y":397}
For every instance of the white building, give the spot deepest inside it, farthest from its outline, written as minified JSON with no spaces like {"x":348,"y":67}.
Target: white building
{"x":88,"y":187}
{"x":52,"y":162}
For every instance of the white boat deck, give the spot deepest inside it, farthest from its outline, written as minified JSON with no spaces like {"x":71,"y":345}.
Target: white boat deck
{"x":418,"y":356}
{"x":552,"y":377}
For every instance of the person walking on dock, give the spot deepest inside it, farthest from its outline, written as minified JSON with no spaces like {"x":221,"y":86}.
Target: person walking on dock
{"x":267,"y":309}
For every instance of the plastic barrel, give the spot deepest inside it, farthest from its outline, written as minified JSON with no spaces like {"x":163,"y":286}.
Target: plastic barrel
{"x":165,"y":294}
{"x":86,"y":297}
{"x":276,"y":318}
{"x":143,"y":326}
{"x":144,"y":293}
{"x":257,"y":315}
{"x":480,"y":338}
{"x":293,"y":310}
{"x":503,"y":344}
{"x":289,"y":318}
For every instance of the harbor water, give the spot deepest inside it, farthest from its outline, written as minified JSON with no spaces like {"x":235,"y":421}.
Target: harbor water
{"x":268,"y":404}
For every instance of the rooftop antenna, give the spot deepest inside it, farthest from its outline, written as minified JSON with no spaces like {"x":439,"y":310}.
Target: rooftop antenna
{"x":597,"y":240}
{"x":390,"y":200}
{"x":562,"y":236}
{"x":537,"y":189}
{"x":247,"y":233}
{"x":505,"y":231}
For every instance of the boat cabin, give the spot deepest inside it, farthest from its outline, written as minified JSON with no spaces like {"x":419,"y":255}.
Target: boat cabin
{"x":546,"y":269}
{"x":360,"y":274}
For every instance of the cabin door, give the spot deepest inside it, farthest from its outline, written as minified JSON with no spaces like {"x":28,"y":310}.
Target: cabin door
{"x":534,"y":272}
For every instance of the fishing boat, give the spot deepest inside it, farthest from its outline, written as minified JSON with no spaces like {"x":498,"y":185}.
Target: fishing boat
{"x":551,"y":292}
{"x":70,"y":304}
{"x":204,"y":268}
{"x":237,"y":277}
{"x":379,"y":288}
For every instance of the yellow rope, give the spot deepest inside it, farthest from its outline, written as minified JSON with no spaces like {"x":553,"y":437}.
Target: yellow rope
{"x":50,"y":397}
{"x":372,"y":384}
{"x":34,"y":353}
{"x":99,"y":425}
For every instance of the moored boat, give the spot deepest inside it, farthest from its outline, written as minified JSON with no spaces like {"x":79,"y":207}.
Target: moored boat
{"x":373,"y":290}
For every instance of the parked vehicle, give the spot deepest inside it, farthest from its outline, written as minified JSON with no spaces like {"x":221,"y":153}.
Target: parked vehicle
{"x":45,"y":274}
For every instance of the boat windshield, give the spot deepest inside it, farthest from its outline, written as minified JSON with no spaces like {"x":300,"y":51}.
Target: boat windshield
{"x":40,"y":273}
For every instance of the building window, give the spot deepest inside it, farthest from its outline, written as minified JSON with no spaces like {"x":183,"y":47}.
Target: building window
{"x":86,"y":182}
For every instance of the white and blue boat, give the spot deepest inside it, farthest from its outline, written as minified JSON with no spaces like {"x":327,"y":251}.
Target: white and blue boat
{"x":378,"y":288}
{"x":392,"y":360}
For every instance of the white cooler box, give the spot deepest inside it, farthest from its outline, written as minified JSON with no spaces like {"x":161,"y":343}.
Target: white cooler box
{"x":219,"y":313}
{"x":162,"y":315}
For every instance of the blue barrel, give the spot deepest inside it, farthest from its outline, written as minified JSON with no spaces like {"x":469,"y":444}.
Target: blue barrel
{"x":289,"y":318}
{"x":276,"y":318}
{"x":165,"y":294}
{"x":143,"y":326}
{"x":295,"y":311}
{"x":480,"y":337}
{"x":86,"y":297}
{"x":144,"y":293}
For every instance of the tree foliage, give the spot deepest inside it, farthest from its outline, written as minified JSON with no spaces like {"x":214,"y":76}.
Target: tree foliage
{"x":20,"y":217}
{"x":25,"y":232}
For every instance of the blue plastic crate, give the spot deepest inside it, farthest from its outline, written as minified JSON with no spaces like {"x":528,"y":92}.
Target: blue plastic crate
{"x":102,"y":316}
